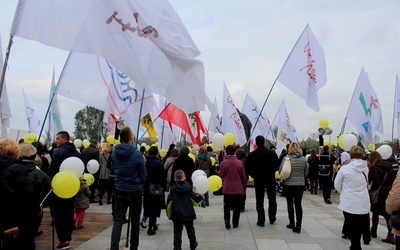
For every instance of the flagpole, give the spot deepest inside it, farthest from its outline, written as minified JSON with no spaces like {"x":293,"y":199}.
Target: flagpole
{"x":152,"y":122}
{"x":140,"y":115}
{"x":3,"y":72}
{"x":262,"y":108}
{"x":52,"y":97}
{"x":162,"y":130}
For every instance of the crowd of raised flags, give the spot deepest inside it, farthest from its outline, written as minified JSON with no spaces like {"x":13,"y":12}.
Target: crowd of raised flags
{"x":145,"y":50}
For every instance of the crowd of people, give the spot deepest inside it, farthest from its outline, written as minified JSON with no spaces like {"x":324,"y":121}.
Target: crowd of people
{"x":135,"y":183}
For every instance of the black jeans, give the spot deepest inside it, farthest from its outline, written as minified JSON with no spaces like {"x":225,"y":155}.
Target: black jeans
{"x":260,"y":189}
{"x":178,"y":228}
{"x":63,"y":213}
{"x":357,"y":223}
{"x":123,"y":200}
{"x":232,"y":201}
{"x":397,"y":239}
{"x":346,"y":229}
{"x":294,"y":195}
{"x":326,"y":182}
{"x":375,"y":221}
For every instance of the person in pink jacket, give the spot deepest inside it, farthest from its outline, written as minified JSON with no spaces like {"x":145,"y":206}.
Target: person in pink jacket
{"x":234,"y":186}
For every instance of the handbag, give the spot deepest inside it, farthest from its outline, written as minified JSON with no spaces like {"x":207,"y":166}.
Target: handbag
{"x":286,"y":169}
{"x":374,"y":194}
{"x":156,"y":189}
{"x":394,"y":221}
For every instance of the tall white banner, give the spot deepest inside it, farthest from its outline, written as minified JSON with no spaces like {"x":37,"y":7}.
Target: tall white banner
{"x":285,"y":134}
{"x":304,"y":70}
{"x":231,"y":120}
{"x":32,"y":117}
{"x":5,"y":110}
{"x":396,"y":108}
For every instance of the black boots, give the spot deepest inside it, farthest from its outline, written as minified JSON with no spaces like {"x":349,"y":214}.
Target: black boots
{"x":227,"y":224}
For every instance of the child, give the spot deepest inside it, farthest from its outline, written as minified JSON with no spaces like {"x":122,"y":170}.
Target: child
{"x":180,"y":209}
{"x":81,"y":204}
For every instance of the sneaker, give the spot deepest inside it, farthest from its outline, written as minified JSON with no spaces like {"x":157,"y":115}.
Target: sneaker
{"x":64,"y":245}
{"x":328,"y":201}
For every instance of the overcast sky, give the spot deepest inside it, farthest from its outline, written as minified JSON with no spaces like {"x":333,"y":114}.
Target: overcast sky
{"x":244,"y":44}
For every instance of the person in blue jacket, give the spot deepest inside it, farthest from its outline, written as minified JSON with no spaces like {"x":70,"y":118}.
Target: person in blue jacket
{"x":130,"y":175}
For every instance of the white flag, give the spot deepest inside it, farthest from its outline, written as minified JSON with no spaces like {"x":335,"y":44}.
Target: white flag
{"x":5,"y":111}
{"x":34,"y":123}
{"x":144,"y":39}
{"x":252,"y":111}
{"x":231,"y":120}
{"x":304,"y":70}
{"x":55,"y":113}
{"x":396,"y":108}
{"x":215,"y":120}
{"x":365,"y":111}
{"x":115,"y":92}
{"x":285,"y":134}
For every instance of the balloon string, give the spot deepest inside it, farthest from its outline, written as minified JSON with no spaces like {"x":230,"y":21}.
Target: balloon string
{"x":41,"y":203}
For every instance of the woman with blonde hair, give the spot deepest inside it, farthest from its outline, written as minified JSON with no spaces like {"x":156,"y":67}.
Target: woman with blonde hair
{"x":106,"y":181}
{"x":17,"y":190}
{"x":352,"y":184}
{"x":294,"y":186}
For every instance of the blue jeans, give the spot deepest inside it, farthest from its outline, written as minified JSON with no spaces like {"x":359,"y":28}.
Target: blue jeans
{"x":123,"y":200}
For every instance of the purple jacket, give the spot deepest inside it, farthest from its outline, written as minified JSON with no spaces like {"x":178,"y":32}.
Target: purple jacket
{"x":234,"y":176}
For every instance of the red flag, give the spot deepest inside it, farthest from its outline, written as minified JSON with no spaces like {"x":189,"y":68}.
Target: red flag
{"x":199,"y":126}
{"x":178,"y":117}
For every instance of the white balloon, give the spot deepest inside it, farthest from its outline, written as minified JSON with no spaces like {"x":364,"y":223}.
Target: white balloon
{"x":73,"y":164}
{"x":385,"y":151}
{"x":143,"y":144}
{"x":348,"y":141}
{"x":218,"y":140}
{"x":92,"y":166}
{"x":201,"y":184}
{"x":78,"y":143}
{"x":197,"y":173}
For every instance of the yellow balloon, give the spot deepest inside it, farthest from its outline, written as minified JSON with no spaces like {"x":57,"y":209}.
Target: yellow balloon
{"x":251,"y":178}
{"x":65,"y":184}
{"x":215,"y":183}
{"x":192,"y":156}
{"x":190,"y":150}
{"x":117,"y":142}
{"x":89,"y":179}
{"x":212,"y":161}
{"x":86,"y":144}
{"x":229,"y":139}
{"x":110,"y":139}
{"x":340,"y":140}
{"x":371,"y":147}
{"x":323,"y":123}
{"x":147,"y":148}
{"x":163,"y":152}
{"x":30,"y":137}
{"x":277,"y":175}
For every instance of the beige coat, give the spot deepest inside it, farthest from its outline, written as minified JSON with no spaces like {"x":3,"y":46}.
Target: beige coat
{"x":393,"y":201}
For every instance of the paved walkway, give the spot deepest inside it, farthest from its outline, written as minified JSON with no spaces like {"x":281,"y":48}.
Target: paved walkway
{"x":321,"y":229}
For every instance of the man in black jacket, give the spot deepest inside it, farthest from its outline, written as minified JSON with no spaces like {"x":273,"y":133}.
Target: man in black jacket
{"x":63,"y":209}
{"x":261,"y":164}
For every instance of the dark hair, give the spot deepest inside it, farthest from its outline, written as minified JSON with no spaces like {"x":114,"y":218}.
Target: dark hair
{"x":143,"y":149}
{"x":174,"y":152}
{"x":64,"y":134}
{"x":153,"y":150}
{"x":209,"y":149}
{"x":260,"y":140}
{"x":39,"y":147}
{"x":230,"y":150}
{"x":125,"y":134}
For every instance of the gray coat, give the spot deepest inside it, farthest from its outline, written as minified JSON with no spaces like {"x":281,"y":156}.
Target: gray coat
{"x":82,"y":197}
{"x":299,"y":171}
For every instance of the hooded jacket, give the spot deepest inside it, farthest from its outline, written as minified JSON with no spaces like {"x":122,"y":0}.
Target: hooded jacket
{"x":180,"y":202}
{"x":130,"y":171}
{"x":352,"y":184}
